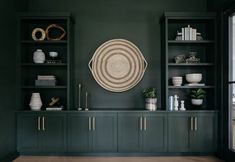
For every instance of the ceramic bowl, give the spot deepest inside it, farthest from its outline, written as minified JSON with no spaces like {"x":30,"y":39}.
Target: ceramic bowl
{"x":177,"y":81}
{"x":53,"y":54}
{"x":194,"y":77}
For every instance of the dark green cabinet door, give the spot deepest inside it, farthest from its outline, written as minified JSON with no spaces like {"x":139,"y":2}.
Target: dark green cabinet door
{"x":154,"y":132}
{"x":178,"y":132}
{"x":129,"y":138}
{"x":203,"y":137}
{"x":28,"y":135}
{"x":53,"y":133}
{"x":78,"y":132}
{"x":104,"y":132}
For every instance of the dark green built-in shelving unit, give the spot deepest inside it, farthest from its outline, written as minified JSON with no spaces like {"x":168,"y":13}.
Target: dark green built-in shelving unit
{"x":205,"y":23}
{"x":28,"y":70}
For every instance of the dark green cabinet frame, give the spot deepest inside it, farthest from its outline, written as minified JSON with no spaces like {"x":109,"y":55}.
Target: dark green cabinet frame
{"x":92,"y":132}
{"x":192,"y":132}
{"x":97,"y":132}
{"x":28,"y":71}
{"x":142,"y":132}
{"x":41,"y":133}
{"x":206,"y":23}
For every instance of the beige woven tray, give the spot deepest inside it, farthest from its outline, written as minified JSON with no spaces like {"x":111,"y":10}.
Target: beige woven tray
{"x":117,"y":65}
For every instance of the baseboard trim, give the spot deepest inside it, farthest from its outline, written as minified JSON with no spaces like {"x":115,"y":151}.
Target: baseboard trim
{"x":10,"y":157}
{"x":118,"y":154}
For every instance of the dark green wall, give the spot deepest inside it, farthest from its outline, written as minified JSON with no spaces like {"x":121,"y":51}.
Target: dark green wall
{"x":8,"y":9}
{"x":216,"y":5}
{"x":99,"y":21}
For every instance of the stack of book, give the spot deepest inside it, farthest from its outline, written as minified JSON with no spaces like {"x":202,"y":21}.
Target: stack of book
{"x":54,"y":108}
{"x":189,"y":33}
{"x":45,"y":80}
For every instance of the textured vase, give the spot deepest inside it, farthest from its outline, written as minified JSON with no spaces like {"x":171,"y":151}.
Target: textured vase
{"x":39,"y":56}
{"x":35,"y":102}
{"x":151,"y":104}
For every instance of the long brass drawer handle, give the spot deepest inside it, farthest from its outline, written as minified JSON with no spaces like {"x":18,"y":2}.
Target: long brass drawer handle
{"x":191,"y":122}
{"x":141,"y":121}
{"x":195,"y":123}
{"x":39,"y":124}
{"x":43,"y":123}
{"x":93,"y":123}
{"x":89,"y":123}
{"x":145,"y":123}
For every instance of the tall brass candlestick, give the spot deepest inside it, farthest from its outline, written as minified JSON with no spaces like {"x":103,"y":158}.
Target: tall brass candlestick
{"x":79,"y":96}
{"x":86,"y":108}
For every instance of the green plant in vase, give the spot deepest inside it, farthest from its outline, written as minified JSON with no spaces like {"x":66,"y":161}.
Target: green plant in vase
{"x":197,"y":96}
{"x":150,"y":95}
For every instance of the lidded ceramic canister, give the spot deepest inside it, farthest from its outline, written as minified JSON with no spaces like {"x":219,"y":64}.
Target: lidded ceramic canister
{"x":39,"y":56}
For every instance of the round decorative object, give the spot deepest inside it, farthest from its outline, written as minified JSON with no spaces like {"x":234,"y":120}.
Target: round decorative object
{"x":118,"y":65}
{"x":38,"y":34}
{"x":55,"y":26}
{"x":39,"y":56}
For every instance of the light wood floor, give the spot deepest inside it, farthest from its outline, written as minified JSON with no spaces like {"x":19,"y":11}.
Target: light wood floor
{"x":117,"y":159}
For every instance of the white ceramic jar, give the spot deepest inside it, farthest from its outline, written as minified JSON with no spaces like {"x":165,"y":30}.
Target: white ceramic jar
{"x":177,"y":81}
{"x":39,"y":56}
{"x":35,"y":102}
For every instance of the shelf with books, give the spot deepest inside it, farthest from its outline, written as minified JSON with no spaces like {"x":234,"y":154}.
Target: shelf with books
{"x":44,"y":64}
{"x":190,"y":41}
{"x":44,"y":42}
{"x":52,"y":76}
{"x":44,"y":87}
{"x":182,"y":57}
{"x":190,"y":64}
{"x":192,"y":87}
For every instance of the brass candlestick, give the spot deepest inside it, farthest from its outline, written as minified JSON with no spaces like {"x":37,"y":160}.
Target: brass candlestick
{"x":79,"y":96}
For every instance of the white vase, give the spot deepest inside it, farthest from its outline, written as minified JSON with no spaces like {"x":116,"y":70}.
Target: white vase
{"x":197,"y":101}
{"x":35,"y":102}
{"x":39,"y":56}
{"x":151,"y":104}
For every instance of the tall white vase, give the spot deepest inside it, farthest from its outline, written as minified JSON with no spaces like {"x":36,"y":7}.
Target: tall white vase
{"x":35,"y":102}
{"x":39,"y":56}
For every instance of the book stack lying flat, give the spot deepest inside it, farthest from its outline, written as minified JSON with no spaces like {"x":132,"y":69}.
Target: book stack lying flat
{"x":54,"y":108}
{"x":45,"y":80}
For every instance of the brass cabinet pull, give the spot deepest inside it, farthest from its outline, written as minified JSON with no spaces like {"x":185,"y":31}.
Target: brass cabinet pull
{"x":89,"y":123}
{"x":191,"y":123}
{"x":145,"y":123}
{"x":39,"y":123}
{"x":93,"y":123}
{"x":43,"y":123}
{"x":195,"y":123}
{"x":141,"y":121}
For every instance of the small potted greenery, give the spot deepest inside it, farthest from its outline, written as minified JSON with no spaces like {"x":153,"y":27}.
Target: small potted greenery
{"x":198,"y":96}
{"x":150,"y":95}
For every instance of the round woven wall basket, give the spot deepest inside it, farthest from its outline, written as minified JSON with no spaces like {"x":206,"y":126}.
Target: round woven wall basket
{"x":118,"y":65}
